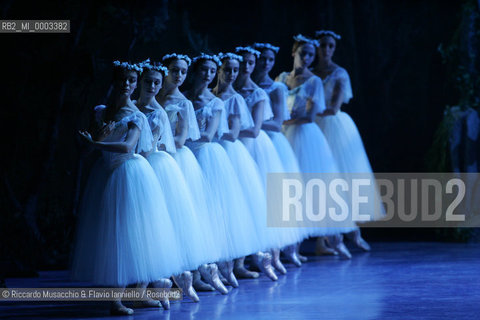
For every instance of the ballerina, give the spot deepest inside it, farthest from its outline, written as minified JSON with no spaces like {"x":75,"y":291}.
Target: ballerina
{"x":239,"y":118}
{"x":197,"y":243}
{"x":184,"y":126}
{"x":277,"y":92}
{"x":125,"y":235}
{"x":305,"y":100}
{"x":234,"y":214}
{"x":338,"y":127}
{"x":260,"y":146}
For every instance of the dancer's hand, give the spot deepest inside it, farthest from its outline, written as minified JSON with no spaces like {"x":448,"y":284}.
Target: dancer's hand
{"x":86,"y":136}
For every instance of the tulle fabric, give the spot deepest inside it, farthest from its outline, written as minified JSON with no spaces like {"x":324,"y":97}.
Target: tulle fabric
{"x":350,"y":155}
{"x":253,"y":188}
{"x":126,"y":230}
{"x":133,"y":239}
{"x":195,"y":238}
{"x":207,"y":112}
{"x":236,"y":105}
{"x":279,"y":86}
{"x":256,"y":96}
{"x":206,"y":206}
{"x":234,"y":214}
{"x":266,"y":157}
{"x":311,"y":148}
{"x":340,"y":76}
{"x":184,"y":108}
{"x":297,"y":99}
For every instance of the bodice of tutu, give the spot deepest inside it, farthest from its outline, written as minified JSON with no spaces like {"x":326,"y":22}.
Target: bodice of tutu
{"x":160,"y":126}
{"x":236,"y":105}
{"x":123,"y":119}
{"x":339,"y":75}
{"x":297,"y":99}
{"x":257,"y":95}
{"x":183,"y":107}
{"x":207,"y":112}
{"x":284,"y":91}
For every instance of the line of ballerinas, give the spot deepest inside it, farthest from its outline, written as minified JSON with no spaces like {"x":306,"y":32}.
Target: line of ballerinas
{"x":180,"y":189}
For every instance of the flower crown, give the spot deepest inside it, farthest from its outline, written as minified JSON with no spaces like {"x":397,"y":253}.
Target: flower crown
{"x":321,"y":33}
{"x":256,"y":53}
{"x":126,"y":66}
{"x":261,"y":46}
{"x":147,"y":65}
{"x":179,"y":57}
{"x":204,"y":56}
{"x":229,"y":55}
{"x":302,"y":39}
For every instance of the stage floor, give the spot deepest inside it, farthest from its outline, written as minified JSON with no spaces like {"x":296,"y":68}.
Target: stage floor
{"x":394,"y":281}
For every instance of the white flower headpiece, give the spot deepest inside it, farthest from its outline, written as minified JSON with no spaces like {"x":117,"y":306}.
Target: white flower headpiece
{"x":126,"y":66}
{"x":321,"y":33}
{"x":256,"y":53}
{"x":179,"y":57}
{"x":302,"y":39}
{"x":261,"y":46}
{"x":229,"y":55}
{"x":204,"y":56}
{"x":149,"y":66}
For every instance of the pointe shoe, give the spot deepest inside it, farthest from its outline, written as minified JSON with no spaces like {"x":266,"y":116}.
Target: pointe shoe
{"x":210,"y":274}
{"x":356,"y":237}
{"x":150,"y":303}
{"x":276,"y":263}
{"x":164,"y":283}
{"x":291,"y":255}
{"x":241,"y":272}
{"x":199,"y":285}
{"x":118,"y":309}
{"x":264,"y":262}
{"x":336,"y":242}
{"x":321,"y":248}
{"x":222,"y":278}
{"x":226,"y":269}
{"x":343,"y":251}
{"x":297,"y":251}
{"x":184,"y":281}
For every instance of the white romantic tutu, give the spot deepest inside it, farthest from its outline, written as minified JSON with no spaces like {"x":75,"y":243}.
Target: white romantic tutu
{"x":234,"y":213}
{"x":252,"y":186}
{"x":349,"y":153}
{"x":285,"y":151}
{"x":289,"y":162}
{"x":314,"y":156}
{"x":263,"y":152}
{"x":126,"y":235}
{"x":195,"y":239}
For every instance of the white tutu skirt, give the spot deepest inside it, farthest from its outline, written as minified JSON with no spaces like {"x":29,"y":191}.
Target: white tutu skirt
{"x":285,"y":151}
{"x":267,"y":159}
{"x":204,"y":202}
{"x":125,"y":235}
{"x":233,"y":213}
{"x":314,"y":156}
{"x":197,"y":245}
{"x":349,"y":153}
{"x":289,"y":163}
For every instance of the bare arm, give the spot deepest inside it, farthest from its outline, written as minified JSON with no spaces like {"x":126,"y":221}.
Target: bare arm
{"x":257,"y":120}
{"x":181,"y":132}
{"x":125,"y":146}
{"x":336,"y":101}
{"x":212,"y":126}
{"x":278,"y":102}
{"x":234,"y":125}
